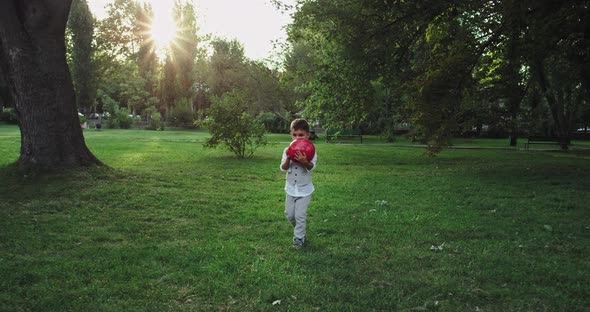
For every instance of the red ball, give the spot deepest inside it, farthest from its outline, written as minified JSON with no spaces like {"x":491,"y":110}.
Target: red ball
{"x":302,"y":145}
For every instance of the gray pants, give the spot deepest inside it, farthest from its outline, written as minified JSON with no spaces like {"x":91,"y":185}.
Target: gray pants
{"x":296,"y":213}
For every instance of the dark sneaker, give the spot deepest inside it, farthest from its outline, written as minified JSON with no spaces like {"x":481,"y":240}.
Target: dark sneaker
{"x":298,"y":242}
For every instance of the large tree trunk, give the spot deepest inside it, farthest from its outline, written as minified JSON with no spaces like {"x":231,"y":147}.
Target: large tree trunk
{"x":32,"y":58}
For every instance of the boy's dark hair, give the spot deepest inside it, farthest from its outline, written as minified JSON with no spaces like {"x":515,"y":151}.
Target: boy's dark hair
{"x":300,"y":124}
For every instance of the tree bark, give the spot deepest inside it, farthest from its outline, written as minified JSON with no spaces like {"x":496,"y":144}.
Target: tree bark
{"x":561,"y":128}
{"x":32,"y":59}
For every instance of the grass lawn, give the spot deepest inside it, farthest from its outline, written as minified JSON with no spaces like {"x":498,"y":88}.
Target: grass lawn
{"x":170,"y":226}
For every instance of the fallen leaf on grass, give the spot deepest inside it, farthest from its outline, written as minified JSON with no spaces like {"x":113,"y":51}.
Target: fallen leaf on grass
{"x":437,"y":247}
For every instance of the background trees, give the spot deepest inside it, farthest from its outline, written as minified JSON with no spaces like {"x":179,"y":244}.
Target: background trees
{"x":81,"y":32}
{"x":498,"y":68}
{"x":132,"y":71}
{"x":440,"y":65}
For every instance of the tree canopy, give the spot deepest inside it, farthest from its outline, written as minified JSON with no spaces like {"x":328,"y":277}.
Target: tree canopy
{"x":439,"y":64}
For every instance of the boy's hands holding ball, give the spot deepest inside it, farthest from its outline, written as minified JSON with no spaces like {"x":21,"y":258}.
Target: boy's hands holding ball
{"x":300,"y":157}
{"x":302,"y":151}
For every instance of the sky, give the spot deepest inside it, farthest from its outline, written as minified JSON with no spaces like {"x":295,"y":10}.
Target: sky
{"x":254,"y":23}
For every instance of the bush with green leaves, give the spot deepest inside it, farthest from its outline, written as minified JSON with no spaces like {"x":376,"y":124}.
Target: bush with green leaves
{"x":115,"y":117}
{"x":232,"y":126}
{"x":155,"y":120}
{"x":110,"y":108}
{"x":182,"y":113}
{"x":123,"y":118}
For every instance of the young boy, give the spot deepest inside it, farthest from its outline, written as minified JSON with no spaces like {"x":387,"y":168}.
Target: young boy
{"x":298,"y":185}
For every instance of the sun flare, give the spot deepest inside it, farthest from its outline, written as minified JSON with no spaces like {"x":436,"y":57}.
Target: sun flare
{"x":163,"y":32}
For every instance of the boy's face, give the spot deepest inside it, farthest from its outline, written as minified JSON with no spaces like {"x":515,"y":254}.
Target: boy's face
{"x":298,"y":134}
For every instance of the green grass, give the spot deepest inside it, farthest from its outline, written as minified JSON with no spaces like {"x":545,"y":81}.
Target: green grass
{"x":175,"y":227}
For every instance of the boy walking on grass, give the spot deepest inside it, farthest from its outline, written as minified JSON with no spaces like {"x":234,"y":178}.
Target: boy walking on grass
{"x":298,"y":185}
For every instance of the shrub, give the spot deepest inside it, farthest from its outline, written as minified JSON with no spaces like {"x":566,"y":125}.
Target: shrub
{"x":115,"y":117}
{"x":110,"y":121}
{"x":181,"y":114}
{"x":123,"y":119}
{"x":155,"y":122}
{"x":110,"y":108}
{"x":231,"y":126}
